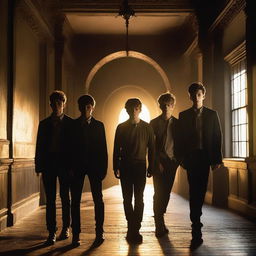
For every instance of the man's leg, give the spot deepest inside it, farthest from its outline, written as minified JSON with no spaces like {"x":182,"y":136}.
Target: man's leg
{"x":163,"y":183}
{"x":77,"y":182}
{"x":127,"y":191}
{"x":198,"y":180}
{"x":64,"y":181}
{"x":96,"y":189}
{"x":49,"y":180}
{"x":139,"y":180}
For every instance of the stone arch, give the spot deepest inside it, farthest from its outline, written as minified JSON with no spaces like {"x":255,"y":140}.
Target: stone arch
{"x":123,"y":54}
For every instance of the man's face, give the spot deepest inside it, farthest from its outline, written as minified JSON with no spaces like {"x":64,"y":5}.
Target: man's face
{"x":86,"y":110}
{"x":167,"y":108}
{"x":134,"y":112}
{"x":57,"y":107}
{"x":197,"y":98}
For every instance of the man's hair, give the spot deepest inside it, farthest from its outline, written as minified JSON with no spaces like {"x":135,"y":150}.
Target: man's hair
{"x":132,"y":103}
{"x":86,"y":100}
{"x":58,"y":95}
{"x":166,"y":97}
{"x":193,"y":88}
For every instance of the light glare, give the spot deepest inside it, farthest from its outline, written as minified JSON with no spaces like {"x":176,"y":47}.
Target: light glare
{"x":144,"y":115}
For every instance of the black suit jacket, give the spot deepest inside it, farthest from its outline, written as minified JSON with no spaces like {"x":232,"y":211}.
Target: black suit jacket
{"x":158,"y":125}
{"x":90,"y":147}
{"x":43,"y":160}
{"x":212,"y":136}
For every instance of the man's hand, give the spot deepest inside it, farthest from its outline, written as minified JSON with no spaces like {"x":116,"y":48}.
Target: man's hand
{"x":216,"y":166}
{"x":117,"y":173}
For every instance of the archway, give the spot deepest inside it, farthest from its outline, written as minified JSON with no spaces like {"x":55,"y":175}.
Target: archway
{"x":122,"y":54}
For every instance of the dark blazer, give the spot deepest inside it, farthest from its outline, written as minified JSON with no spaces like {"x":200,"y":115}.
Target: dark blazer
{"x":158,"y":125}
{"x":212,"y":136}
{"x":43,"y":160}
{"x":90,"y":147}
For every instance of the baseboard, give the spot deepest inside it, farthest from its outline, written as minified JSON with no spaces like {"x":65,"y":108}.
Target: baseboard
{"x":242,"y":207}
{"x":25,"y":207}
{"x":3,"y":218}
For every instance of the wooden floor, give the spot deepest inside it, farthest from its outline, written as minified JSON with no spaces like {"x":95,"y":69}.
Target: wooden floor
{"x":224,"y":233}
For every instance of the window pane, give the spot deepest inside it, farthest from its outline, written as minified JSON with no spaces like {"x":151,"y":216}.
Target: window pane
{"x":243,"y":149}
{"x":236,"y":85}
{"x":239,"y":103}
{"x":242,"y":98}
{"x":243,"y":81}
{"x":236,"y":100}
{"x":242,"y":132}
{"x":242,"y":115}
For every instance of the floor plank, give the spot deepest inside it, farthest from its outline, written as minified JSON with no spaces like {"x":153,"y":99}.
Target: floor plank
{"x":225,"y":233}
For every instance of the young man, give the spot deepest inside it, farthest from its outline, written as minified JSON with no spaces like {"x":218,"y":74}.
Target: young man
{"x":90,"y":158}
{"x":52,"y":159}
{"x":132,"y":140}
{"x":200,"y":144}
{"x":165,"y":129}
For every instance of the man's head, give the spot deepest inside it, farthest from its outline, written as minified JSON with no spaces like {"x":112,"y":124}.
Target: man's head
{"x":167,"y":103}
{"x":197,"y":93}
{"x":133,"y":107}
{"x":58,"y":101}
{"x":86,"y":105}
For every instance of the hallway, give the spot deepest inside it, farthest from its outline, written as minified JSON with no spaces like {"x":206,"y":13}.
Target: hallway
{"x":225,"y":233}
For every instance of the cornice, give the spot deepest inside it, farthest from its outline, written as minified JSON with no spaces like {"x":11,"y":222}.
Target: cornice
{"x":192,"y":47}
{"x":138,"y":5}
{"x":237,"y":54}
{"x":29,"y":13}
{"x":232,"y":8}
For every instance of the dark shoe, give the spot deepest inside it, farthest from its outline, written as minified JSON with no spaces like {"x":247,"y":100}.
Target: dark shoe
{"x":64,"y":234}
{"x":134,"y":237}
{"x":76,"y":240}
{"x":137,"y":238}
{"x":196,"y":242}
{"x":100,"y":238}
{"x":51,"y":239}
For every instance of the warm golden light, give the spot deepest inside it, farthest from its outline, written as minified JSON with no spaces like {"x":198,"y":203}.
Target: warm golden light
{"x":144,"y":115}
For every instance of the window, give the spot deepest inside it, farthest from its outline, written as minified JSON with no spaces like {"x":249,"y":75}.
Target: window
{"x":240,"y":141}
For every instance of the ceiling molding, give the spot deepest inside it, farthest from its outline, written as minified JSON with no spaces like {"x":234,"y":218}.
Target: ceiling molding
{"x":30,"y":14}
{"x":232,"y":8}
{"x":238,"y":54}
{"x":108,"y":6}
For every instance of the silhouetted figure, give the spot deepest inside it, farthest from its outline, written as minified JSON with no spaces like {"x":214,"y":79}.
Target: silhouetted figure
{"x":52,"y":159}
{"x":133,"y":139}
{"x":90,"y":158}
{"x":200,"y":147}
{"x":165,"y":129}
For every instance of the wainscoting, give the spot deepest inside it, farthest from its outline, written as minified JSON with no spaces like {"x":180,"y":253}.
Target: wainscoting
{"x":19,"y":190}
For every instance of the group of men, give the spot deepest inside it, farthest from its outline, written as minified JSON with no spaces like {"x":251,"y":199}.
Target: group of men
{"x":69,"y":149}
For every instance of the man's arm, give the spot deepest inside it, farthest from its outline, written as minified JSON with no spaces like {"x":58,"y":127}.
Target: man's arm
{"x":104,"y":152}
{"x":151,"y":152}
{"x":217,"y":142}
{"x":116,"y":153}
{"x":39,"y":149}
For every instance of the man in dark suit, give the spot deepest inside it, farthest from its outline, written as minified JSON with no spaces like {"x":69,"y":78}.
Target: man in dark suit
{"x":165,"y":129}
{"x":134,"y":138}
{"x":53,"y":161}
{"x":200,"y":147}
{"x":90,"y":158}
